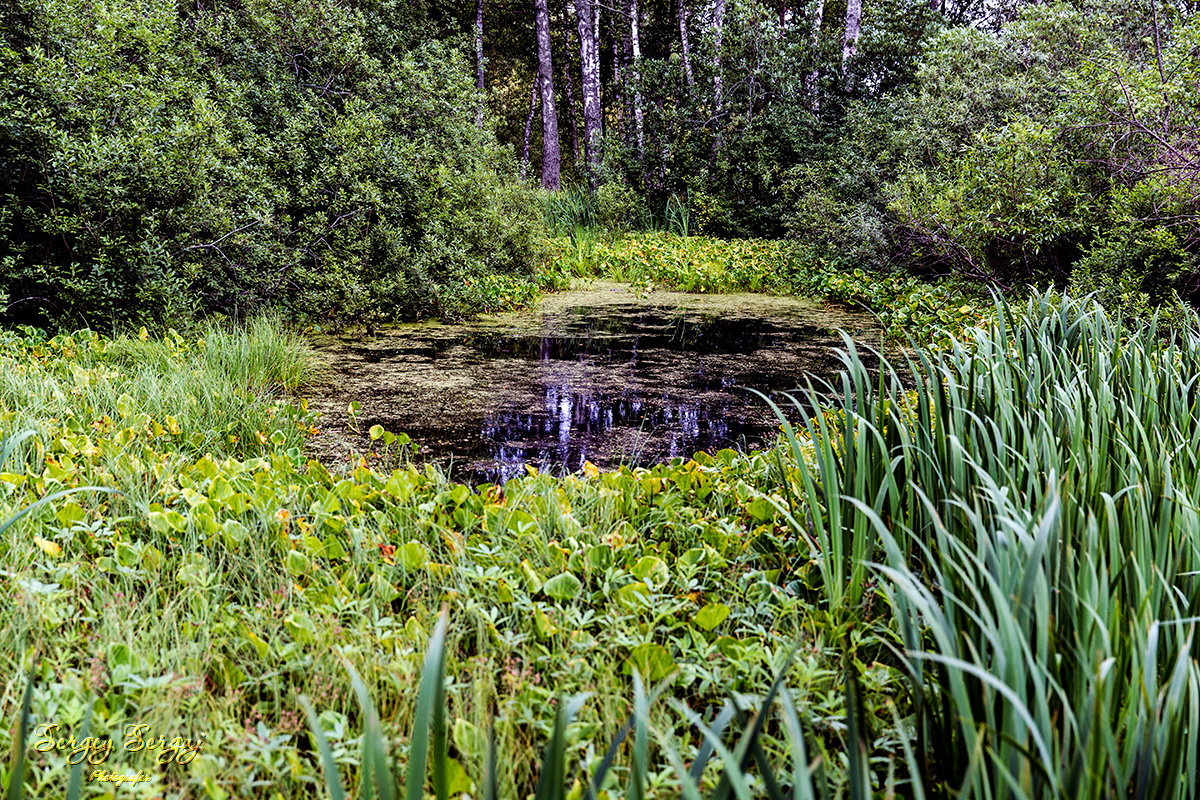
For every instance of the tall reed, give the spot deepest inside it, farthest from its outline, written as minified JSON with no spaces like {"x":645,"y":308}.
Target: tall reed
{"x":1031,"y":508}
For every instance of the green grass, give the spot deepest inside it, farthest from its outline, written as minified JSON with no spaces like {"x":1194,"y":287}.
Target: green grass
{"x":1031,"y":512}
{"x":232,"y":575}
{"x":220,"y":387}
{"x":985,"y":579}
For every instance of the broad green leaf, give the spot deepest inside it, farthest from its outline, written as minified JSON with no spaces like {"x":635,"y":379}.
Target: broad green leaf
{"x":564,"y":586}
{"x":412,"y":556}
{"x":298,"y":563}
{"x":711,"y":615}
{"x":651,"y":660}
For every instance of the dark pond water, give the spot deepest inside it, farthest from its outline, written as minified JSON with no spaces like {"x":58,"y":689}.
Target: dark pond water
{"x":600,"y":375}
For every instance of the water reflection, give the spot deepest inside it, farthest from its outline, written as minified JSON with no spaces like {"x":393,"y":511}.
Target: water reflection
{"x":614,"y":382}
{"x":572,"y":425}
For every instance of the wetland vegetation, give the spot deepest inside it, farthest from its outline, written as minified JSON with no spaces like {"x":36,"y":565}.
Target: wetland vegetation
{"x":336,"y":456}
{"x":601,"y":374}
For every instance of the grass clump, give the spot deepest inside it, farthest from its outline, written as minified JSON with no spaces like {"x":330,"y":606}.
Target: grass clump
{"x":1030,"y":513}
{"x":224,"y":387}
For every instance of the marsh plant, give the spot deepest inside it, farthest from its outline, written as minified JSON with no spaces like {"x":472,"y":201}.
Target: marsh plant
{"x":1026,"y":505}
{"x":975,"y":576}
{"x":746,"y":761}
{"x":1029,"y":510}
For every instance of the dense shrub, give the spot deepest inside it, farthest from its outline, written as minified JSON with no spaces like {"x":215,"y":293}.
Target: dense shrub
{"x":157,"y":160}
{"x":1080,"y":165}
{"x":1059,"y":149}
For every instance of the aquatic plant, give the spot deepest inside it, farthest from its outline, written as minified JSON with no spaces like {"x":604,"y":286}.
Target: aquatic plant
{"x":1026,"y":500}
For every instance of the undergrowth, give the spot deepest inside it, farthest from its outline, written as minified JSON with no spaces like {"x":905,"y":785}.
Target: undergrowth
{"x":906,"y":306}
{"x":975,"y":581}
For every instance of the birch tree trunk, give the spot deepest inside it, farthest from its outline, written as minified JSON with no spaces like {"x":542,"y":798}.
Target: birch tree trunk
{"x":686,"y":46}
{"x":589,"y":67}
{"x":631,"y":8}
{"x":718,"y":78}
{"x":533,"y":104}
{"x":853,"y":21}
{"x":545,"y":81}
{"x":620,"y":95}
{"x":810,"y":83}
{"x":568,"y":75}
{"x":479,"y":60}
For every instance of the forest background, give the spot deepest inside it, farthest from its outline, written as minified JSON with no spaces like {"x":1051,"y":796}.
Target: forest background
{"x":375,"y":159}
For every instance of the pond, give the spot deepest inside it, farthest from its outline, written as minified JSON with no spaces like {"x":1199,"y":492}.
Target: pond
{"x":600,"y":373}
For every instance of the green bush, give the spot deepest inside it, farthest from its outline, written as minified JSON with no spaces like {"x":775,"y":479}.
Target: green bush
{"x":619,"y":209}
{"x":161,"y":161}
{"x":1134,"y":269}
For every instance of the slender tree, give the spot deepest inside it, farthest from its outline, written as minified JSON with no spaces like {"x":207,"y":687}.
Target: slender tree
{"x":685,"y":46}
{"x":479,"y":60}
{"x":568,"y":80}
{"x":810,"y":80}
{"x":587,"y":16}
{"x":620,"y":56}
{"x":533,"y":105}
{"x":853,"y":21}
{"x":545,"y":82}
{"x":718,"y":24}
{"x":631,"y":9}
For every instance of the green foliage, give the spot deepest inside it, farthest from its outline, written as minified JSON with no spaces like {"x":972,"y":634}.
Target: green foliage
{"x":1054,"y":150}
{"x":1063,"y":158}
{"x":224,"y":389}
{"x":611,"y":209}
{"x":233,"y":570}
{"x":1133,"y":270}
{"x":1015,"y":209}
{"x":1007,"y":494}
{"x":694,"y":263}
{"x":734,"y":758}
{"x":570,"y":209}
{"x":905,"y":306}
{"x":161,"y":162}
{"x":957,"y":552}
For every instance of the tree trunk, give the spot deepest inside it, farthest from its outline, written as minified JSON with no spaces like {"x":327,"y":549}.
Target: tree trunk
{"x":631,"y":8}
{"x":589,"y":66}
{"x":718,"y":79}
{"x":683,"y":40}
{"x":545,"y":82}
{"x":853,"y":21}
{"x":533,"y":104}
{"x":621,"y":49}
{"x":810,"y":83}
{"x":568,"y":72}
{"x":479,"y":60}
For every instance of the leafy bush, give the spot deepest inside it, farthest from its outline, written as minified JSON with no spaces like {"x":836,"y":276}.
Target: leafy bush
{"x":1134,"y":270}
{"x":1061,"y":145}
{"x":160,"y":162}
{"x":1016,"y":208}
